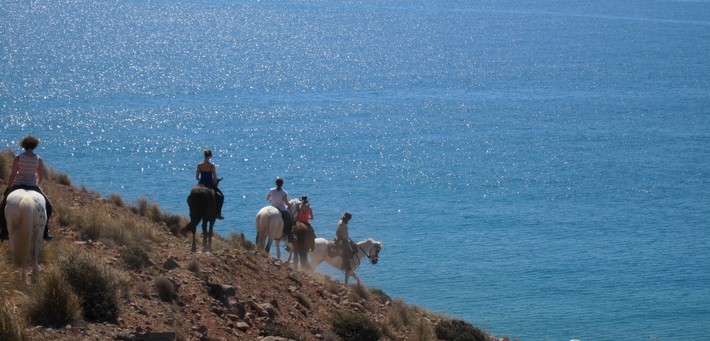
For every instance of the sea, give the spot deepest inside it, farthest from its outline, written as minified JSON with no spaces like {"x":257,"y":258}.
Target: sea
{"x":538,"y":168}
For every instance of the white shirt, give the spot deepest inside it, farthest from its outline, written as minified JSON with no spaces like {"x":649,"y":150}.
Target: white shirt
{"x":276,"y":197}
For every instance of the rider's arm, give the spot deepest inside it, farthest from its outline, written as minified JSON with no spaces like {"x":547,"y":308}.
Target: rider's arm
{"x":40,"y":171}
{"x":214,"y":174}
{"x":288,"y":204}
{"x":197,"y":173}
{"x":310,"y":213}
{"x":13,"y":172}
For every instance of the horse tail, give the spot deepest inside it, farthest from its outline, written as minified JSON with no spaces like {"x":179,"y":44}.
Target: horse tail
{"x":22,"y":231}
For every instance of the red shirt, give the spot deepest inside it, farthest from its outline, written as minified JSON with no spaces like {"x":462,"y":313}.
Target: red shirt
{"x":305,"y":214}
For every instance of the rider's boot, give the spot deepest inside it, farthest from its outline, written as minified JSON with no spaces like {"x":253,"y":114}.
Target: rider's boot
{"x":3,"y":228}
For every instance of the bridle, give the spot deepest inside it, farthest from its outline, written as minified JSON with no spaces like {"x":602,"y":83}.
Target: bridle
{"x":375,"y":248}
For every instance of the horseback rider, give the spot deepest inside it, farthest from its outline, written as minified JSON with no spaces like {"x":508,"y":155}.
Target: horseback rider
{"x":305,"y":213}
{"x":206,"y":174}
{"x":278,"y":198}
{"x":27,"y":172}
{"x":342,"y":240}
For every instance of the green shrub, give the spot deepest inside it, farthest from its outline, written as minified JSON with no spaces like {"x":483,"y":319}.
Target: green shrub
{"x":11,"y":326}
{"x":458,"y":330}
{"x":97,"y":285}
{"x":166,"y":289}
{"x":135,"y":257}
{"x":355,"y":327}
{"x":52,"y":302}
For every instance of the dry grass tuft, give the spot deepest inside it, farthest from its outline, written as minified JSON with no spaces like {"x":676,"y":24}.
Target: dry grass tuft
{"x":166,"y":289}
{"x":97,"y":285}
{"x":52,"y":302}
{"x":11,"y":327}
{"x":8,"y":280}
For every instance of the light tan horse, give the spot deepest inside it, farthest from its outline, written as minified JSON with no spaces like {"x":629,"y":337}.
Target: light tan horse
{"x":368,"y":248}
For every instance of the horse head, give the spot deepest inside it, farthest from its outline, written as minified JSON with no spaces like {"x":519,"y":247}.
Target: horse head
{"x":374,"y":253}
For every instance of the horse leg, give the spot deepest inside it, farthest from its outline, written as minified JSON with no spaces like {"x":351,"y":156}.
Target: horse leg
{"x":209,"y":237}
{"x":303,"y":254}
{"x":204,"y":235}
{"x":267,"y":248}
{"x":278,"y":249}
{"x":35,"y":255}
{"x":356,"y":277}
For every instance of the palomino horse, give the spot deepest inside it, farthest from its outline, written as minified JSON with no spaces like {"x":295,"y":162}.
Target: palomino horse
{"x":368,"y":248}
{"x":203,"y":207}
{"x":26,"y":216}
{"x":270,"y":227}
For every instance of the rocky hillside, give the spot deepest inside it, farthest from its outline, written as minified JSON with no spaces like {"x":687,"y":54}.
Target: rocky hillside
{"x":117,"y":271}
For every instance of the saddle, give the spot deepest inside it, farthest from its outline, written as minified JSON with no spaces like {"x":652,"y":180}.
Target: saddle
{"x":335,"y":250}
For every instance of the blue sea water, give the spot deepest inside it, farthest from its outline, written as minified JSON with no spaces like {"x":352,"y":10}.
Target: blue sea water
{"x":538,"y":168}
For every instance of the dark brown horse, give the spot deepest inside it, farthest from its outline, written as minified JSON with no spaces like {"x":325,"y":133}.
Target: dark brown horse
{"x":203,"y":207}
{"x":305,"y":242}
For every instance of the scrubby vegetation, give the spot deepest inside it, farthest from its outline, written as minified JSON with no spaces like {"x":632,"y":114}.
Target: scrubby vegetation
{"x":97,"y":285}
{"x":355,"y":327}
{"x":102,"y":263}
{"x":459,"y":330}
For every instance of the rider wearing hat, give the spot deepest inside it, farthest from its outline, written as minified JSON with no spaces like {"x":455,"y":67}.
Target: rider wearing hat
{"x":342,"y":240}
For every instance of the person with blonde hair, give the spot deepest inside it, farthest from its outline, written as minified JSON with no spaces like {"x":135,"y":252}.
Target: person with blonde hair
{"x":27,"y":173}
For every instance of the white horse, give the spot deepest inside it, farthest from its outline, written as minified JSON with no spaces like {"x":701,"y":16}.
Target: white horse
{"x":369,"y":248}
{"x":26,"y":216}
{"x":270,"y":227}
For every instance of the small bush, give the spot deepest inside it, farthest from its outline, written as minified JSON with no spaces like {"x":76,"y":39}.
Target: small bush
{"x":380,"y":295}
{"x":116,"y":200}
{"x":304,"y":300}
{"x":166,"y":289}
{"x":458,"y":330}
{"x":239,"y":240}
{"x":359,"y":293}
{"x":97,"y":285}
{"x":422,"y":330}
{"x":194,"y":266}
{"x":11,"y":326}
{"x":52,"y":301}
{"x":59,"y":177}
{"x":279,"y":330}
{"x":355,"y":327}
{"x":135,"y":257}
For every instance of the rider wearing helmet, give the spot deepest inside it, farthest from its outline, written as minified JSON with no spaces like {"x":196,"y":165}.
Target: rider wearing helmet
{"x":278,"y":198}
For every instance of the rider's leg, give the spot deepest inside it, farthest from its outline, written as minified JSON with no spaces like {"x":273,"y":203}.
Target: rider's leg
{"x":4,"y":235}
{"x":287,"y":225}
{"x":347,"y":255}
